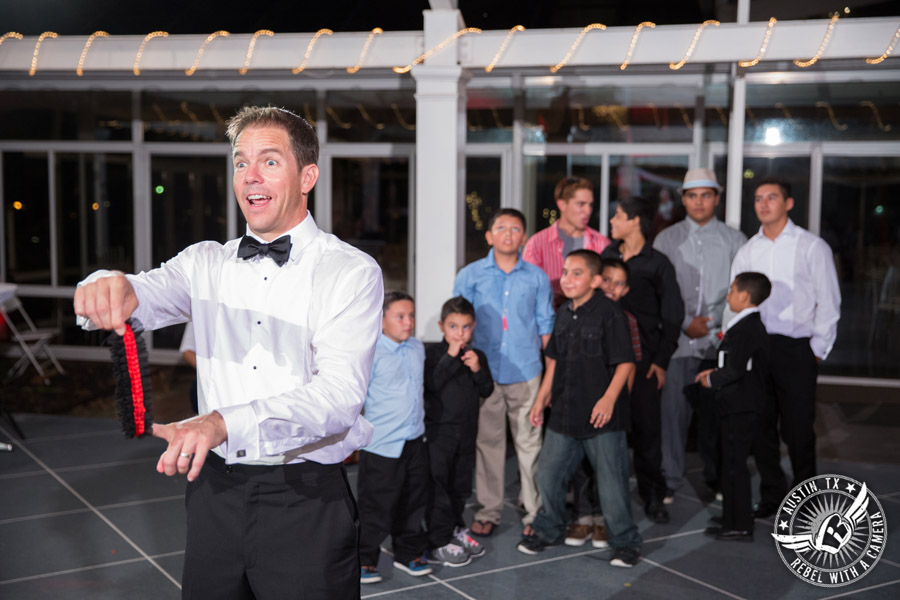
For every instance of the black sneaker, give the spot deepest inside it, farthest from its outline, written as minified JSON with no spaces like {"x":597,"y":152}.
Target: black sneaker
{"x":624,"y":557}
{"x":532,"y":544}
{"x":656,"y":512}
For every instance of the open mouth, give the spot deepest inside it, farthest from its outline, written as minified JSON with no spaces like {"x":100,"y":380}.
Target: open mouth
{"x":258,"y":199}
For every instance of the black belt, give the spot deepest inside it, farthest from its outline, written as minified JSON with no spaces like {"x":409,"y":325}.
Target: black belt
{"x":310,"y":473}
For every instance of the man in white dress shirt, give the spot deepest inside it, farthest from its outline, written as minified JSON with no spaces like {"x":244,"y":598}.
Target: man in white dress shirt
{"x":801,"y":317}
{"x":285,"y":324}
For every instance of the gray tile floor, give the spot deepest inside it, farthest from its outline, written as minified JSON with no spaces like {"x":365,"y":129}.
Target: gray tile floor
{"x":83,"y":514}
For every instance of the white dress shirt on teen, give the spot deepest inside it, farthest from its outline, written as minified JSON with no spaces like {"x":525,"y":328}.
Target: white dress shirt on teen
{"x":284,"y":354}
{"x":806,"y":298}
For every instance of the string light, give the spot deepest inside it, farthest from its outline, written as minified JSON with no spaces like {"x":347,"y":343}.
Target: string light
{"x":831,"y":116}
{"x":694,"y":40}
{"x":878,"y":121}
{"x":437,"y":48}
{"x":10,"y":34}
{"x":497,"y":121}
{"x":79,"y":70}
{"x":368,"y":118}
{"x":808,"y":63}
{"x":613,"y":112}
{"x":218,"y":117}
{"x":266,"y":32}
{"x":655,"y":113}
{"x":684,"y":116}
{"x":337,"y":119}
{"x":500,"y":50}
{"x":470,"y":126}
{"x":784,"y":110}
{"x":37,"y":49}
{"x":762,"y":47}
{"x":721,"y":114}
{"x":875,"y":61}
{"x":634,"y":37}
{"x":202,"y":49}
{"x":403,"y":123}
{"x":309,"y":48}
{"x":307,"y":114}
{"x":140,"y":53}
{"x":575,"y":45}
{"x":365,"y":50}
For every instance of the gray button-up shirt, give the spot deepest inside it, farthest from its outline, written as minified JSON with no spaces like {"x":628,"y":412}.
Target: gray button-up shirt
{"x":702,"y":259}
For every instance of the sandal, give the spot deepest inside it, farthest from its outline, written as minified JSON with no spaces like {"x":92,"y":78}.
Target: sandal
{"x":529,"y":530}
{"x":482,"y":528}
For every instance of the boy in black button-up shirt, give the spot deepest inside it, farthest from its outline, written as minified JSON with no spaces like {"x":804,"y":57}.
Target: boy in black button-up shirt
{"x":589,"y":359}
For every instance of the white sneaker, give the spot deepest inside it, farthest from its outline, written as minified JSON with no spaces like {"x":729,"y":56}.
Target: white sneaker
{"x":468,"y":543}
{"x":451,"y":555}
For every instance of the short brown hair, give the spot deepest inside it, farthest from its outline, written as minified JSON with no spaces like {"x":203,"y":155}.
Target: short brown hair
{"x":304,"y":141}
{"x":781,"y":182}
{"x":567,"y":187}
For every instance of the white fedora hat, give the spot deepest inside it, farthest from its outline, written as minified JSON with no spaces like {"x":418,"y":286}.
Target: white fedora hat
{"x":700,"y":178}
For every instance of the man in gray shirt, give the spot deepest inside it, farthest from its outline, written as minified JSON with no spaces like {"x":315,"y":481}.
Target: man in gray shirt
{"x":701,"y":249}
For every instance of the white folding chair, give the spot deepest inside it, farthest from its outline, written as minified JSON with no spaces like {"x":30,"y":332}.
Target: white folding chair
{"x":33,"y":341}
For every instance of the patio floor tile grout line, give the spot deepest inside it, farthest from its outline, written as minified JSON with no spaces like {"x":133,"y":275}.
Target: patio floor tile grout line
{"x":117,"y":563}
{"x":76,"y":511}
{"x":94,"y":509}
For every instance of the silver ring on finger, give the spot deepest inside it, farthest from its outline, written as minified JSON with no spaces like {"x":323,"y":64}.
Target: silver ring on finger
{"x":184,"y":455}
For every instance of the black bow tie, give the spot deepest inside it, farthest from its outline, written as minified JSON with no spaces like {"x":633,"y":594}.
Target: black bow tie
{"x":279,"y":250}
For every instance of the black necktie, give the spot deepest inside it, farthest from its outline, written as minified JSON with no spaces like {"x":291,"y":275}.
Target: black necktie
{"x":279,"y":250}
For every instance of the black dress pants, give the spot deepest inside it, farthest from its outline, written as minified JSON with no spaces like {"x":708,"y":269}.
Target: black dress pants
{"x":270,"y":533}
{"x":392,"y":497}
{"x":451,"y":455}
{"x":791,"y":408}
{"x":736,"y":434}
{"x":646,"y":428}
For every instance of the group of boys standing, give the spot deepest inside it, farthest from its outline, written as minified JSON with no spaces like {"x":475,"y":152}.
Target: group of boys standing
{"x":636,"y":345}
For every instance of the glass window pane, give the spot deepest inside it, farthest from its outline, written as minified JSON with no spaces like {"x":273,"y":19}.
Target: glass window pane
{"x":371,"y":211}
{"x":489,"y":115}
{"x":95,"y":222}
{"x":188,"y":205}
{"x":178,"y":116}
{"x":482,"y":201}
{"x":610,"y":114}
{"x":26,"y":214}
{"x":793,"y":168}
{"x":47,"y":115}
{"x":542,"y":173}
{"x":861,"y":223}
{"x":371,"y":116}
{"x":657,"y":178}
{"x":823,"y":111}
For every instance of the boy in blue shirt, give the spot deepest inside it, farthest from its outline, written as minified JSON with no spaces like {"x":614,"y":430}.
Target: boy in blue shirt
{"x":589,"y":360}
{"x":514,"y":311}
{"x":393,"y":468}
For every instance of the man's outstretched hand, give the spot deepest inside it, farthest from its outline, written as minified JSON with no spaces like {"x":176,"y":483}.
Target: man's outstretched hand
{"x":107,"y":302}
{"x":189,"y":442}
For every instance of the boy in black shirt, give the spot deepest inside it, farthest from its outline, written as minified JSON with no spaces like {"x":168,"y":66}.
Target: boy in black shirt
{"x":456,"y":378}
{"x":589,"y":359}
{"x":740,"y":386}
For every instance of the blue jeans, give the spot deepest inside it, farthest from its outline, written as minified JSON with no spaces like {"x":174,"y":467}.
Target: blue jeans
{"x":608,"y":454}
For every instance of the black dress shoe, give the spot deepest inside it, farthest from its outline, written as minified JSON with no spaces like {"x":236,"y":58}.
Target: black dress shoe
{"x":657,"y":513}
{"x":764,"y":510}
{"x":733,"y":535}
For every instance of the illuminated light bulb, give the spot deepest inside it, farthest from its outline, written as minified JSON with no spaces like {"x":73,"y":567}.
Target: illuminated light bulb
{"x":773,"y":136}
{"x":687,"y":55}
{"x":575,"y":44}
{"x":762,"y":47}
{"x":309,"y":48}
{"x":634,"y":37}
{"x":140,"y":53}
{"x":423,"y":57}
{"x":37,"y":50}
{"x":365,"y":50}
{"x":202,"y":49}
{"x":79,"y":70}
{"x":500,"y":50}
{"x":886,"y":53}
{"x":808,"y":63}
{"x":10,"y":35}
{"x":266,"y":32}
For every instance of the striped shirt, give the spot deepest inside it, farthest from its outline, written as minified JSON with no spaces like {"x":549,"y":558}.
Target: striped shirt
{"x":545,"y":250}
{"x":635,"y":335}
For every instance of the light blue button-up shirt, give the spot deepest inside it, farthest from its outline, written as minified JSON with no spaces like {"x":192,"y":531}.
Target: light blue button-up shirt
{"x":395,"y":401}
{"x":512,"y":311}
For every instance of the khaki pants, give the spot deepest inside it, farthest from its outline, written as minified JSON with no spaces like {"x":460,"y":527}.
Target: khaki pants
{"x":513,"y":400}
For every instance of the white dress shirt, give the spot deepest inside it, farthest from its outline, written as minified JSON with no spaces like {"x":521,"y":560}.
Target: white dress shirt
{"x":806,"y":298}
{"x":284,"y":354}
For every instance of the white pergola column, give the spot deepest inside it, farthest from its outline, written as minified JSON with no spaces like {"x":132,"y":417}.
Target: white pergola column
{"x":440,"y":173}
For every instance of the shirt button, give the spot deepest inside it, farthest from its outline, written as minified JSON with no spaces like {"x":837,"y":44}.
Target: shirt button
{"x":574,"y":317}
{"x":254,"y":367}
{"x":265,"y":278}
{"x":259,"y":322}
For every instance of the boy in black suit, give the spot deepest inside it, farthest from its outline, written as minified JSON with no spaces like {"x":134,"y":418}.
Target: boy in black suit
{"x":739,"y":383}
